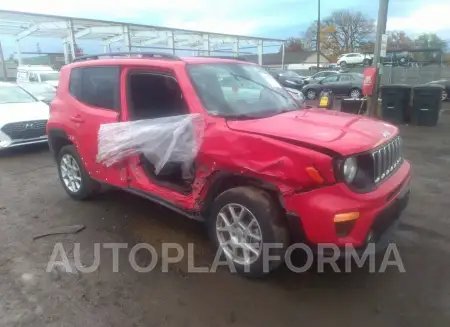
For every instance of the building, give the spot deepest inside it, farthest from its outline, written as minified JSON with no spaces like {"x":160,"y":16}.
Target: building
{"x":294,"y":60}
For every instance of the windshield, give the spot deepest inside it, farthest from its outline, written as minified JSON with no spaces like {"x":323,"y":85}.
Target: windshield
{"x":240,"y":90}
{"x":53,"y":76}
{"x":289,"y":74}
{"x":40,"y":90}
{"x":14,"y":94}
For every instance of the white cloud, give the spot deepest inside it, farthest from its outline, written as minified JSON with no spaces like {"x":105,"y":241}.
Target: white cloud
{"x":429,"y":17}
{"x":232,"y":16}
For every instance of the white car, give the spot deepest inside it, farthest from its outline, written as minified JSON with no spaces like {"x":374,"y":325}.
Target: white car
{"x":38,"y":74}
{"x":348,"y":59}
{"x":23,"y":118}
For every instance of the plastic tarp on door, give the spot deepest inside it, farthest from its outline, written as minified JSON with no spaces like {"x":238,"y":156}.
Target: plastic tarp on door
{"x":160,"y":140}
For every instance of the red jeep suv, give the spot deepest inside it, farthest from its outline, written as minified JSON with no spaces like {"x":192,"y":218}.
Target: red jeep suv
{"x":266,"y":171}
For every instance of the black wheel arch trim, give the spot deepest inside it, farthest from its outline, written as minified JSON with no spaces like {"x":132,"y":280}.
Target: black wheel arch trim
{"x":56,"y":133}
{"x":222,"y":177}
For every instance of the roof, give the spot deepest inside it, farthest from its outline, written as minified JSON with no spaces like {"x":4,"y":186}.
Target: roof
{"x":23,"y":24}
{"x":290,"y":57}
{"x":166,"y":62}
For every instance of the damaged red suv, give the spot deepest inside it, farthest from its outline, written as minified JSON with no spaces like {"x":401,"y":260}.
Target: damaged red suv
{"x":221,"y":141}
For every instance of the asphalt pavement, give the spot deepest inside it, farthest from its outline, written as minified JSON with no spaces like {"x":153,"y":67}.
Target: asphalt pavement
{"x":33,"y":202}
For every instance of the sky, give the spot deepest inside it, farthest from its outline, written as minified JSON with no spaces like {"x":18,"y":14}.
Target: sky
{"x":265,"y":18}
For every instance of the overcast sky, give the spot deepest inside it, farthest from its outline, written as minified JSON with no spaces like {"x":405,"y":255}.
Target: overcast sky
{"x":265,"y":18}
{"x":272,"y":18}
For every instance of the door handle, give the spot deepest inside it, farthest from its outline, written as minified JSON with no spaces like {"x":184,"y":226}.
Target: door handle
{"x":77,"y":119}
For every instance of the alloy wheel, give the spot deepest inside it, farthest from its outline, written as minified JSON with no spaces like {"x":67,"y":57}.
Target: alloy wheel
{"x":311,"y":95}
{"x":70,"y":173}
{"x":239,"y":234}
{"x":444,"y":95}
{"x":355,"y":94}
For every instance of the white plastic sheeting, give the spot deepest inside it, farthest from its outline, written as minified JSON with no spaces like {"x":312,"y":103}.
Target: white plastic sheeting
{"x":161,"y":140}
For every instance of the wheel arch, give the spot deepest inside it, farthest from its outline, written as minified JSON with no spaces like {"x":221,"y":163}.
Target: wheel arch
{"x":221,"y":181}
{"x":57,"y":138}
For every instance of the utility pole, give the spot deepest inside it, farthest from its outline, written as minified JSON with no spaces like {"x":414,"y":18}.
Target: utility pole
{"x":318,"y":35}
{"x":381,"y":29}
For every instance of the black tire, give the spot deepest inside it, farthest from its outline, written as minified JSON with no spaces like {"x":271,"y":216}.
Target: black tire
{"x":444,"y":95}
{"x":88,"y":186}
{"x":343,"y":64}
{"x":366,"y":62}
{"x":271,"y":222}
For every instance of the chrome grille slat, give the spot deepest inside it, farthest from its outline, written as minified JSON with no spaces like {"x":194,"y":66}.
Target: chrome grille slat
{"x":19,"y":130}
{"x":386,"y":159}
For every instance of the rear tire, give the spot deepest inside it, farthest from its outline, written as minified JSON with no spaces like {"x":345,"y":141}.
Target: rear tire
{"x":260,"y":225}
{"x":74,"y":177}
{"x":444,"y":95}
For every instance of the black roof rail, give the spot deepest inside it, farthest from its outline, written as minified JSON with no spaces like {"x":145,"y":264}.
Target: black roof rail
{"x":124,"y":54}
{"x":225,"y":57}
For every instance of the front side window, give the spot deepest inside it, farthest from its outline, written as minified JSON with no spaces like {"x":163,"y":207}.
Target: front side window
{"x":239,"y":90}
{"x":345,"y":78}
{"x":330,"y":79}
{"x":15,"y":94}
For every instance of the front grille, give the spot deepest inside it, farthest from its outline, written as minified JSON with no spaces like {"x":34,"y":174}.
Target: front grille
{"x":25,"y":130}
{"x":387,"y":159}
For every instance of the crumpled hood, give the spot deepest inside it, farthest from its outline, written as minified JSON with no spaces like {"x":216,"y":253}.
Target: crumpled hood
{"x":17,"y":112}
{"x":333,"y":130}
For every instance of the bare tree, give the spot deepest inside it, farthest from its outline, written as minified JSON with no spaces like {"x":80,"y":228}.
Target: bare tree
{"x":342,"y":31}
{"x":399,"y":40}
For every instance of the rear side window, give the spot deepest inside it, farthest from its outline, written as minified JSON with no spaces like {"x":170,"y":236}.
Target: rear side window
{"x":96,"y":86}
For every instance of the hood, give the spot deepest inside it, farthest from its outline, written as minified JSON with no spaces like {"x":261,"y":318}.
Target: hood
{"x":53,"y":83}
{"x":322,"y":129}
{"x":17,"y":112}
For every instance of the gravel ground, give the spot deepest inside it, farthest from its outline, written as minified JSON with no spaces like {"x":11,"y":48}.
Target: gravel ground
{"x":32,"y":201}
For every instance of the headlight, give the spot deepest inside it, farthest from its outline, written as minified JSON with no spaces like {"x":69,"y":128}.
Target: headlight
{"x":349,"y":169}
{"x":4,"y":140}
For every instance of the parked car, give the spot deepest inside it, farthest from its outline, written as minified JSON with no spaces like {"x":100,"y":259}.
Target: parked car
{"x":320,"y":76}
{"x":446,"y":84}
{"x":342,"y":84}
{"x":264,"y":171}
{"x":288,"y":78}
{"x":37,"y":74}
{"x":353,"y":59}
{"x":22,"y":117}
{"x":42,"y":91}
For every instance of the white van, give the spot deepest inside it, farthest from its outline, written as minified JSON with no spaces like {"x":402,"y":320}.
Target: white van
{"x":38,"y":73}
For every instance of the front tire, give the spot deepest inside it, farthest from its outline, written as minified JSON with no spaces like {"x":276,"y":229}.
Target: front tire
{"x":243,"y":221}
{"x":444,"y":95}
{"x":343,"y":64}
{"x":74,"y":178}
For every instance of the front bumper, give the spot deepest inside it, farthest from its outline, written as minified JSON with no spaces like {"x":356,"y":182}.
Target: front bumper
{"x":17,"y":143}
{"x":311,"y":214}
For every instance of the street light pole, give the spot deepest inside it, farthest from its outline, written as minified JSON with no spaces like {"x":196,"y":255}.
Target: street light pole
{"x":381,"y":29}
{"x":318,"y":35}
